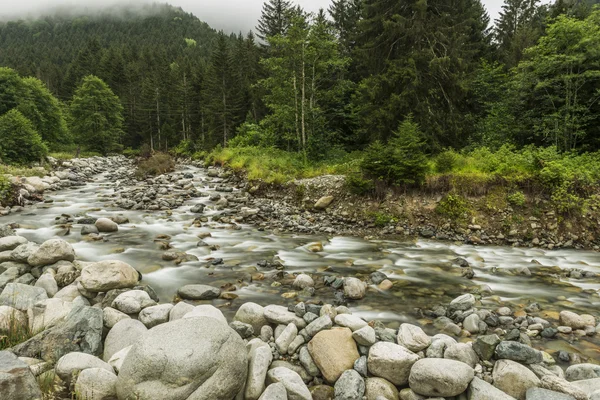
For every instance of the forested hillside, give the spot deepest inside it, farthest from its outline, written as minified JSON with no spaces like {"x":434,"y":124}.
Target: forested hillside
{"x":395,"y":91}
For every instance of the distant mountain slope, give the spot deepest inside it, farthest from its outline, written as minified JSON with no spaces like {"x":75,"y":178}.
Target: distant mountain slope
{"x":46,"y":46}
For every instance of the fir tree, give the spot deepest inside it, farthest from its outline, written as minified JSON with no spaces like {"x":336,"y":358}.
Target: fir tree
{"x":275,"y":19}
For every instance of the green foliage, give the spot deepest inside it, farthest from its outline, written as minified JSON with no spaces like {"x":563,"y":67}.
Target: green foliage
{"x":402,"y":161}
{"x":382,"y":219}
{"x":516,"y":199}
{"x":157,"y":164}
{"x":252,"y":135}
{"x":96,"y":116}
{"x":6,"y":190}
{"x":453,"y":206}
{"x":19,"y":142}
{"x":446,"y":161}
{"x":358,"y":185}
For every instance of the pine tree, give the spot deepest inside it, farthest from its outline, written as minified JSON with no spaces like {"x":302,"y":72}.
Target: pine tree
{"x":275,"y":19}
{"x":345,"y":15}
{"x":19,"y":141}
{"x":516,"y":29}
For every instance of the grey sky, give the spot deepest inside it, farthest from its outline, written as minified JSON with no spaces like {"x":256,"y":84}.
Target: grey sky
{"x":230,"y":15}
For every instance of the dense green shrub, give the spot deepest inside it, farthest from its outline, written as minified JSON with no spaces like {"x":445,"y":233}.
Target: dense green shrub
{"x":445,"y":161}
{"x":453,"y":206}
{"x":19,"y":141}
{"x":402,"y":160}
{"x":516,"y":199}
{"x":357,"y":184}
{"x":6,"y":189}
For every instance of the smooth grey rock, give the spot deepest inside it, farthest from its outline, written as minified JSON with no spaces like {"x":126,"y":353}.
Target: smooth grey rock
{"x":365,"y":336}
{"x":413,"y":338}
{"x":244,"y":330}
{"x":485,"y":346}
{"x":260,"y":360}
{"x":275,"y":391}
{"x":179,"y":310}
{"x":286,"y":337}
{"x":354,"y":288}
{"x":105,"y":225}
{"x":462,"y":352}
{"x":50,"y":252}
{"x":206,"y":310}
{"x":48,"y":283}
{"x":436,"y":377}
{"x":11,"y":242}
{"x":107,"y":275}
{"x":12,"y":319}
{"x":294,"y":386}
{"x":48,"y":313}
{"x":439,"y":344}
{"x":21,"y":297}
{"x":96,"y":384}
{"x":513,"y":378}
{"x":16,"y":380}
{"x":155,"y":315}
{"x":580,"y":372}
{"x":253,"y":314}
{"x":307,"y":362}
{"x":116,"y":361}
{"x":391,"y":362}
{"x":545,"y":394}
{"x":350,"y":386}
{"x":589,"y":386}
{"x":22,"y":252}
{"x":462,"y":303}
{"x":318,"y":325}
{"x":133,"y":301}
{"x":111,"y":316}
{"x":191,"y":358}
{"x":350,"y":321}
{"x":71,"y":364}
{"x":280,"y":315}
{"x":379,"y":388}
{"x":198,"y":292}
{"x":471,"y":323}
{"x":481,"y":390}
{"x":125,"y":333}
{"x":303,"y":281}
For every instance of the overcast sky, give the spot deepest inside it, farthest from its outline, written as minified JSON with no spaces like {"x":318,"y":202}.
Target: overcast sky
{"x":230,"y":15}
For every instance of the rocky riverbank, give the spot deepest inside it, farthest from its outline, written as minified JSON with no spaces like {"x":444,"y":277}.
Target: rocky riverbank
{"x":97,"y":332}
{"x":325,"y":205}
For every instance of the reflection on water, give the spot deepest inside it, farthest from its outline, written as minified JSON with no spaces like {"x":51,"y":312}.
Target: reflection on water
{"x":423,"y":270}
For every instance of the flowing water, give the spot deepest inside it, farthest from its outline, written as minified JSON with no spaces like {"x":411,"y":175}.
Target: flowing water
{"x":423,"y":270}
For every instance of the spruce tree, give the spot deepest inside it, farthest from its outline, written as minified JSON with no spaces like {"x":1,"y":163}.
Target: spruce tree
{"x":275,"y":19}
{"x":345,"y":15}
{"x":516,"y":29}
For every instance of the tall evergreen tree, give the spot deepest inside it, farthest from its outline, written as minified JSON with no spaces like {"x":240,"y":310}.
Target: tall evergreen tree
{"x":516,"y":29}
{"x":275,"y":18}
{"x":345,"y":15}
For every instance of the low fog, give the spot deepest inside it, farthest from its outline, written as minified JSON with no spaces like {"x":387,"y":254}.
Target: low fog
{"x":229,"y":15}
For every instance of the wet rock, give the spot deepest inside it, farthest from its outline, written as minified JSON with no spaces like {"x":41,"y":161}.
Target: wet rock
{"x":516,"y":351}
{"x":471,"y":323}
{"x":413,"y":338}
{"x":303,"y":281}
{"x":377,"y":277}
{"x":354,"y":288}
{"x":16,"y":380}
{"x":350,"y":386}
{"x":391,"y":361}
{"x":333,"y":351}
{"x":513,"y":378}
{"x":89,"y":229}
{"x":198,"y":292}
{"x":572,"y":320}
{"x":50,"y":252}
{"x":462,"y":303}
{"x":207,"y":357}
{"x":105,"y":225}
{"x":108,"y":275}
{"x":440,"y":377}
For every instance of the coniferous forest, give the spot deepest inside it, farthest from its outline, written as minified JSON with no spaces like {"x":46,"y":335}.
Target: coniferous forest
{"x":393,"y":89}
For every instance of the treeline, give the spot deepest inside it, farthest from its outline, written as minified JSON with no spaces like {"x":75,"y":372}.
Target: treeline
{"x":420,"y":75}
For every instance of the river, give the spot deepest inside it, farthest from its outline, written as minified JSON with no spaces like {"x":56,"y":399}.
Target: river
{"x":422,"y":270}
